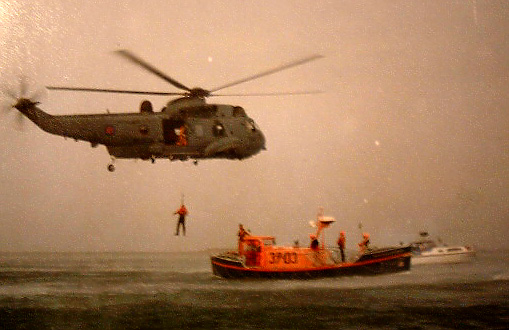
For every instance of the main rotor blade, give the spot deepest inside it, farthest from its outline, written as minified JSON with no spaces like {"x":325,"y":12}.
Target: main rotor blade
{"x":270,"y":94}
{"x":269,"y":72}
{"x":136,"y":60}
{"x":11,"y":94}
{"x":20,"y":120}
{"x":39,"y":95}
{"x":101,"y":90}
{"x":23,"y":86}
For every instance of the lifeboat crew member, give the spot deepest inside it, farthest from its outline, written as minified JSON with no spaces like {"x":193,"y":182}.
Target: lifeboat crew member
{"x":314,"y":242}
{"x":341,"y":244}
{"x":182,"y":212}
{"x":364,"y":245}
{"x":242,"y":234}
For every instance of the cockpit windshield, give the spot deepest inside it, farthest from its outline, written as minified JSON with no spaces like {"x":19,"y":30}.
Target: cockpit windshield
{"x":251,"y":125}
{"x":238,"y":112}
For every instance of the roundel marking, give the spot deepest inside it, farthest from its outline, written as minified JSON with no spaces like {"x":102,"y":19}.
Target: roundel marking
{"x":109,"y":130}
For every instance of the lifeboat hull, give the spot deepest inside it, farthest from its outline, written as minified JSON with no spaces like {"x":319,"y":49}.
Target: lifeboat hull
{"x":380,"y":261}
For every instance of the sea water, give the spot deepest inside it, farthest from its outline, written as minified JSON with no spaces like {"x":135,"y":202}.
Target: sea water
{"x":179,"y":291}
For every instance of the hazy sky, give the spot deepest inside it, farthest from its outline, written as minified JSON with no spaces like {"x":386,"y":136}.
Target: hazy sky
{"x":411,"y":132}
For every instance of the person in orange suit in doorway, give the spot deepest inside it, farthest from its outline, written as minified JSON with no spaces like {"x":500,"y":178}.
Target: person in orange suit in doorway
{"x":182,"y":137}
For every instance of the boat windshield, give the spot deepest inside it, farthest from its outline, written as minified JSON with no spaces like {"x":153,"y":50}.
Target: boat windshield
{"x":253,"y":246}
{"x":423,"y":245}
{"x":269,"y":242}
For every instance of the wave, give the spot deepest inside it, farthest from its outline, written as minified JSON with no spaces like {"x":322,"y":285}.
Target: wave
{"x":501,"y":277}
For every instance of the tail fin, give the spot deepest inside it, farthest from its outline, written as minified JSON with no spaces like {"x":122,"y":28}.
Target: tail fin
{"x":28,"y":108}
{"x":25,"y":106}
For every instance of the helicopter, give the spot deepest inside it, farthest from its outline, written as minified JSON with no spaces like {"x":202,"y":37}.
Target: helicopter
{"x":186,"y":128}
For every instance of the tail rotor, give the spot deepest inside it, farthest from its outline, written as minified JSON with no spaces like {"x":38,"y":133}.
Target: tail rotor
{"x":20,"y":97}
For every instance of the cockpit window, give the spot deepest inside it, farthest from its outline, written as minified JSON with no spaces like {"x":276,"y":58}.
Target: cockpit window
{"x":250,"y":124}
{"x":238,"y":112}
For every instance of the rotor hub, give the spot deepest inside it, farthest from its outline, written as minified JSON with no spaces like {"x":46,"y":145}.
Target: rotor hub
{"x":199,"y":92}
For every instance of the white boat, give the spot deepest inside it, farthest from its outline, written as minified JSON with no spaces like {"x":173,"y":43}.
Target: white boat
{"x":426,"y":251}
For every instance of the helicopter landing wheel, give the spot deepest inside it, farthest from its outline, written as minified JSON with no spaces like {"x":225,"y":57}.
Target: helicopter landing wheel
{"x":111,"y":166}
{"x":195,"y":162}
{"x":153,"y":159}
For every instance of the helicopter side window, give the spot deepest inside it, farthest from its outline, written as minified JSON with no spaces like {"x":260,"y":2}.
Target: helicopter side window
{"x":198,"y":130}
{"x":144,"y":130}
{"x":218,"y":129}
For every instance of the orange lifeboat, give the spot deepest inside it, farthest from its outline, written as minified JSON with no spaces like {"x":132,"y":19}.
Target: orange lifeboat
{"x":260,"y":257}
